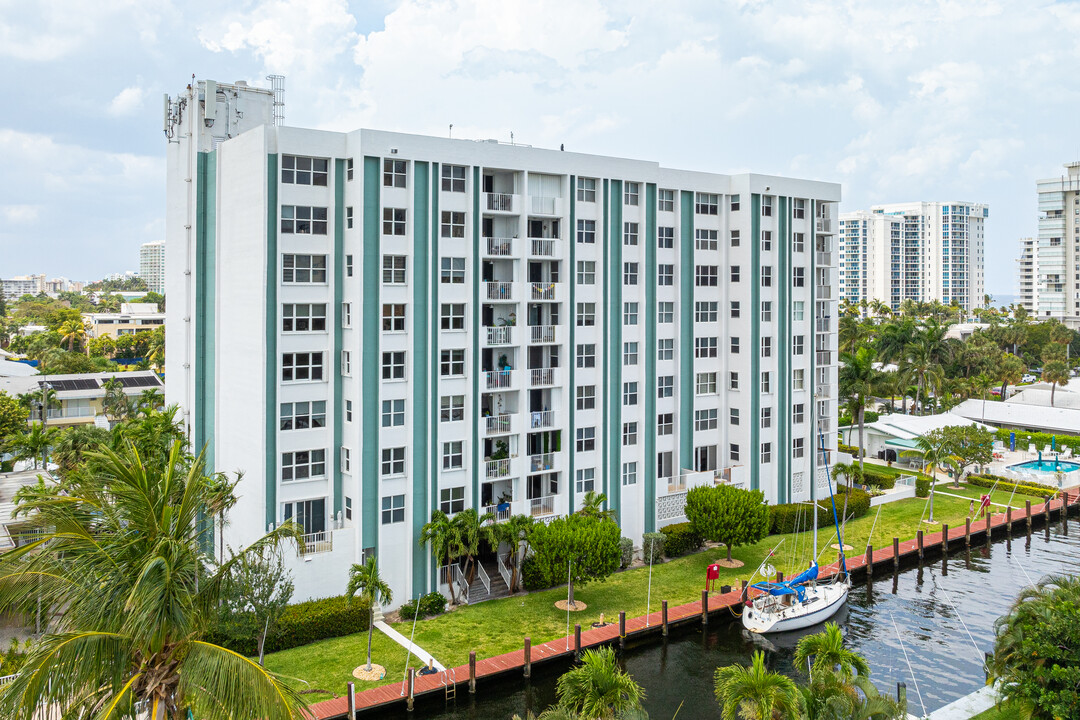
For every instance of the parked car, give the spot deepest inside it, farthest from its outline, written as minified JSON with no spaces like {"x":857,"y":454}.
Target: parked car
{"x":1028,"y":378}
{"x":995,"y":391}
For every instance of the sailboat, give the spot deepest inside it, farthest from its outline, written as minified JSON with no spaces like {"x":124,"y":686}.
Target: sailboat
{"x":801,"y":601}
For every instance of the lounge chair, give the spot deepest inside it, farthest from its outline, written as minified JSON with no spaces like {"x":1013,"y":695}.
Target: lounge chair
{"x":1031,"y":449}
{"x":1067,"y":452}
{"x":1046,"y":449}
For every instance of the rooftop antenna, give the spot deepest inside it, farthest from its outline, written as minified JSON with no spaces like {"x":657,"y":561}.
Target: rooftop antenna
{"x":511,"y":137}
{"x":277,"y":84}
{"x":451,"y":130}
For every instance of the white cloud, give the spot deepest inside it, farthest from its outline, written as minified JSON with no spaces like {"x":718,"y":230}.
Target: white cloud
{"x":127,"y":101}
{"x":20,"y":214}
{"x":53,"y":30}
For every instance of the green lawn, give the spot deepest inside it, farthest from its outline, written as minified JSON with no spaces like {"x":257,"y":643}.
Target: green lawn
{"x":499,"y":626}
{"x":1001,"y":497}
{"x":995,"y":713}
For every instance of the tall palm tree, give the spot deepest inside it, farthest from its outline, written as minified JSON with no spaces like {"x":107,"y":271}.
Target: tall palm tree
{"x":933,"y":448}
{"x":755,"y":692}
{"x":858,"y":378}
{"x":73,"y":443}
{"x":827,"y":652}
{"x":365,"y":579}
{"x":921,"y":367}
{"x":32,"y":445}
{"x":72,"y":331}
{"x":119,"y":566}
{"x":442,"y":537}
{"x":469,"y":528}
{"x":151,"y":399}
{"x":982,"y":384}
{"x":516,"y":534}
{"x":592,"y":505}
{"x":598,"y":689}
{"x":1010,"y":370}
{"x":1055,"y":372}
{"x":221,"y":498}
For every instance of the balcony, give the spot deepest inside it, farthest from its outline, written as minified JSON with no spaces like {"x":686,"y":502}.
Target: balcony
{"x":542,"y":462}
{"x":542,"y":333}
{"x":824,"y":225}
{"x":542,"y":247}
{"x":823,"y":358}
{"x":499,"y":291}
{"x":498,"y":424}
{"x":496,"y":469}
{"x":542,"y":377}
{"x":500,"y":335}
{"x":824,"y":292}
{"x":542,"y":291}
{"x":499,"y":247}
{"x":824,"y":259}
{"x":315,"y":543}
{"x":497,"y":379}
{"x":542,"y":506}
{"x":501,"y":202}
{"x":545,"y":205}
{"x":676,"y":484}
{"x":501,"y":515}
{"x":541,"y":419}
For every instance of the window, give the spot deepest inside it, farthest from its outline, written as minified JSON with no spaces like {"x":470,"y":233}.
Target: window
{"x":586,"y":439}
{"x":393,"y":509}
{"x":666,"y":200}
{"x":766,"y":240}
{"x":393,"y":269}
{"x":346,"y":363}
{"x":665,"y":275}
{"x":393,"y":365}
{"x":630,"y":313}
{"x":766,"y":385}
{"x":453,"y":224}
{"x":706,"y":275}
{"x":665,"y":423}
{"x":586,"y":314}
{"x":393,"y":173}
{"x":348,"y":266}
{"x":766,"y":418}
{"x":303,"y":220}
{"x":630,"y":233}
{"x":586,"y":480}
{"x":798,"y":278}
{"x":766,"y":452}
{"x":766,"y":206}
{"x":346,"y":460}
{"x":629,"y":473}
{"x":799,"y":379}
{"x":705,"y":419}
{"x":735,"y":308}
{"x":393,"y":413}
{"x":766,"y":276}
{"x":453,"y":271}
{"x":705,"y":239}
{"x":586,"y":189}
{"x":348,"y":218}
{"x":733,"y":416}
{"x":349,"y":169}
{"x":629,"y":393}
{"x":453,"y":316}
{"x":734,"y":273}
{"x":706,"y":311}
{"x":393,"y":221}
{"x":296,"y":170}
{"x":630,"y":193}
{"x":298,"y":367}
{"x":452,"y":500}
{"x":705,"y":347}
{"x":452,"y":363}
{"x":586,"y":232}
{"x":303,"y":465}
{"x":734,"y":346}
{"x":630,"y":353}
{"x":766,"y":347}
{"x":798,"y":242}
{"x":733,"y":452}
{"x":586,"y":397}
{"x":303,"y":415}
{"x":629,"y":433}
{"x":630,"y":273}
{"x":348,"y":500}
{"x":734,"y":238}
{"x":665,"y":349}
{"x":706,"y":203}
{"x":393,"y":461}
{"x":586,"y":356}
{"x":797,"y":447}
{"x":797,"y":345}
{"x":733,"y":381}
{"x":798,"y":209}
{"x":665,"y":312}
{"x":705,"y":383}
{"x":705,"y":458}
{"x":453,"y":457}
{"x":348,"y":411}
{"x":393,"y":317}
{"x":797,"y":413}
{"x":346,"y":315}
{"x":665,"y":467}
{"x":665,"y":386}
{"x":451,"y":408}
{"x":734,"y":203}
{"x":453,"y":178}
{"x":586,"y":272}
{"x":303,"y":269}
{"x":797,"y":310}
{"x":303,"y":317}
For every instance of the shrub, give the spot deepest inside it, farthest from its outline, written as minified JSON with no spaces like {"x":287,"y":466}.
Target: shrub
{"x":304,"y":623}
{"x":626,"y":548}
{"x":849,"y":449}
{"x":1040,"y":440}
{"x":868,"y":417}
{"x":922,"y":486}
{"x":431,"y":604}
{"x":987,"y":481}
{"x":532,"y":575}
{"x":883,"y":481}
{"x":652,"y":547}
{"x":727,"y":514}
{"x":792,"y":517}
{"x":680,"y":539}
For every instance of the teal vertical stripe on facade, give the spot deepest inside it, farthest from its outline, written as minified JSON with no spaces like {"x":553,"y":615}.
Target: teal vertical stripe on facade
{"x":604,"y":346}
{"x":755,"y":339}
{"x":686,"y":331}
{"x":421,"y":357}
{"x":433,"y":366}
{"x":782,"y":413}
{"x":339,"y":289}
{"x":571,"y":441}
{"x":614,"y":358}
{"x":272,"y":280}
{"x":205,"y":306}
{"x":476,"y":366}
{"x":369,"y":413}
{"x":650,"y":279}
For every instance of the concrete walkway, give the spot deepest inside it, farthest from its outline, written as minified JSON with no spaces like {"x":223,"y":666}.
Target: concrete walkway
{"x":966,"y":707}
{"x":418,"y":652}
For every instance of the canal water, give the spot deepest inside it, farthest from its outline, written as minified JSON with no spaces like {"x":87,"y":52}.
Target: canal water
{"x":939,"y":616}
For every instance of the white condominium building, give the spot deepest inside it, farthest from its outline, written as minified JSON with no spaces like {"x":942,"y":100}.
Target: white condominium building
{"x":1056,"y":255}
{"x":152,"y":265}
{"x":375,"y":325}
{"x":1027,"y":274}
{"x":918,"y":251}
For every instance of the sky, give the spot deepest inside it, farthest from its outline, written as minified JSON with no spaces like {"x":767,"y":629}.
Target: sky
{"x":969,"y":100}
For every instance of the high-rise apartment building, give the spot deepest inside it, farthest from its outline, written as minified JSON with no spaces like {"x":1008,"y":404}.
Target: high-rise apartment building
{"x":152,"y":265}
{"x":1056,"y":255}
{"x":414,"y":323}
{"x":23,"y":285}
{"x":1027,"y":274}
{"x":918,"y":251}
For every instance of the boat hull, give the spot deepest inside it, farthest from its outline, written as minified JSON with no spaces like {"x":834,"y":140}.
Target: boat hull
{"x":822,"y":602}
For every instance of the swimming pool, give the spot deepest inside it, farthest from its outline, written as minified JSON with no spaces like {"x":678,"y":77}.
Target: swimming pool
{"x":1047,"y":466}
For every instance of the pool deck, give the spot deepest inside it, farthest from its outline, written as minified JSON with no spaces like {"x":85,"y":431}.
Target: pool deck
{"x":381,"y":698}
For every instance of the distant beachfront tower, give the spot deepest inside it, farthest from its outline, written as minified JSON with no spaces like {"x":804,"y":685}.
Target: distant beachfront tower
{"x":152,"y":265}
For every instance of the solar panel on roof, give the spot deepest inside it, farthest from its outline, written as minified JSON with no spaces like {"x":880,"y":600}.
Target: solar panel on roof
{"x":68,"y":385}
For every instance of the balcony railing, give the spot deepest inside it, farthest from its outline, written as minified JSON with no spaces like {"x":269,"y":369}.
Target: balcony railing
{"x":542,"y":462}
{"x":315,"y":543}
{"x":500,"y":516}
{"x":500,"y":335}
{"x":541,"y":247}
{"x":499,"y":290}
{"x":498,"y":424}
{"x":499,"y":202}
{"x":824,"y":259}
{"x":541,"y":419}
{"x":500,"y":247}
{"x":824,"y":292}
{"x":541,"y":376}
{"x":497,"y":468}
{"x":543,"y":333}
{"x":497,"y":379}
{"x":824,"y":225}
{"x":543,"y":291}
{"x":544,"y":205}
{"x":542,"y":506}
{"x":676,"y":484}
{"x":824,"y":358}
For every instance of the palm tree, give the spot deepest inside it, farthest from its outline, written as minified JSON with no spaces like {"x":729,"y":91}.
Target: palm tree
{"x":119,"y":565}
{"x":72,"y":331}
{"x":982,"y":384}
{"x":221,"y":498}
{"x":933,"y":448}
{"x":857,"y":380}
{"x":151,"y":399}
{"x":827,"y":697}
{"x":598,"y":689}
{"x":469,"y":528}
{"x":73,"y":443}
{"x":365,"y":579}
{"x":1010,"y":370}
{"x":1055,"y":372}
{"x":516,"y":533}
{"x":442,"y":536}
{"x":32,"y":445}
{"x":755,"y":692}
{"x":592,"y":504}
{"x":827,"y":651}
{"x":921,"y":367}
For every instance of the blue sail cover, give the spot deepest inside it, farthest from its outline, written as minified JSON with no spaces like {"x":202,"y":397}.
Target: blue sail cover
{"x":794,"y":586}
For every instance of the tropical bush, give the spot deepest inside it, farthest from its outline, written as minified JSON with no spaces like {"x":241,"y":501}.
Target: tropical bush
{"x":652,"y":547}
{"x":307,"y":622}
{"x":586,"y":546}
{"x":434,"y":603}
{"x":793,"y":517}
{"x":881,"y":480}
{"x":727,"y":514}
{"x":1040,"y":440}
{"x":680,"y":539}
{"x":532,"y":575}
{"x":922,"y":487}
{"x":868,"y":417}
{"x":849,"y":449}
{"x":626,"y":550}
{"x":1007,"y":485}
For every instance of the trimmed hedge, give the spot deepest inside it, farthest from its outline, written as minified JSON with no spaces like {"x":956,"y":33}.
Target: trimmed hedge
{"x":626,"y":548}
{"x":304,"y":623}
{"x":987,"y":481}
{"x":680,"y":539}
{"x":783,"y":518}
{"x":652,"y":544}
{"x":1023,"y":439}
{"x":868,"y":417}
{"x":849,"y":449}
{"x":883,"y":481}
{"x":532,"y":575}
{"x":922,"y":486}
{"x":434,"y":603}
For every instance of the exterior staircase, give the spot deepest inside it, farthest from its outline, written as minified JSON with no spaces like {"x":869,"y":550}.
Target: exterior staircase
{"x":478,"y":592}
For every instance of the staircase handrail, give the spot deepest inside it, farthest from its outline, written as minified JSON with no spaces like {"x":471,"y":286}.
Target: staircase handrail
{"x":483,"y":577}
{"x":503,"y":570}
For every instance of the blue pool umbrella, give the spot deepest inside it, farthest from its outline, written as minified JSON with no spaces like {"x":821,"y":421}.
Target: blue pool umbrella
{"x":1012,"y":442}
{"x":1053,"y":442}
{"x":1040,"y":457}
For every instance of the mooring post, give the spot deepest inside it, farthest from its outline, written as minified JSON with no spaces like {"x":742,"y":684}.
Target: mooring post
{"x":577,"y":641}
{"x":896,"y":552}
{"x":869,"y":559}
{"x":901,"y":693}
{"x":945,"y":537}
{"x":663,"y":616}
{"x":704,"y":607}
{"x":412,"y":681}
{"x":989,"y":529}
{"x":1046,"y":510}
{"x":472,"y":672}
{"x":351,"y":691}
{"x":1008,"y":517}
{"x":725,"y":589}
{"x":743,"y":584}
{"x":967,"y":531}
{"x":918,"y":538}
{"x":622,"y":629}
{"x":1065,"y":514}
{"x":528,"y":657}
{"x":1027,"y":511}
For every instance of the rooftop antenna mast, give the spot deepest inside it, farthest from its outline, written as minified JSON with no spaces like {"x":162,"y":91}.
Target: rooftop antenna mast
{"x":277,"y":84}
